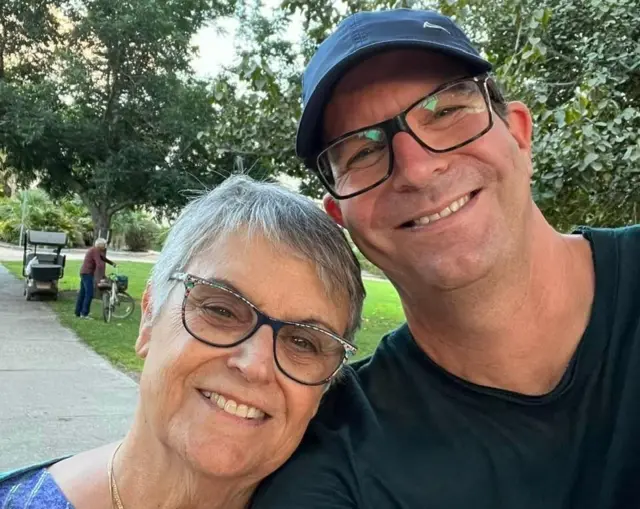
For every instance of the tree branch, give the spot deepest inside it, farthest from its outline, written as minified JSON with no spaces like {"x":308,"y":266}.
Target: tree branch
{"x":121,"y":206}
{"x":114,"y":70}
{"x":515,"y":49}
{"x":3,"y":45}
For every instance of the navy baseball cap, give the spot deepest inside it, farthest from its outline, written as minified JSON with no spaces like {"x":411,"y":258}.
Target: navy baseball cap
{"x":361,"y":36}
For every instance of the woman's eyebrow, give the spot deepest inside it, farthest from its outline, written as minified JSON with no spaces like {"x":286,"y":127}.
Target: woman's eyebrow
{"x":310,"y":320}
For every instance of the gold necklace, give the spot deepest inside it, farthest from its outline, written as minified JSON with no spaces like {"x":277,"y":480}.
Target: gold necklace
{"x":116,"y":501}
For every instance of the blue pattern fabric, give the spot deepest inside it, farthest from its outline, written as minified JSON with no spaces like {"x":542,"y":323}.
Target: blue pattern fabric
{"x":32,"y":488}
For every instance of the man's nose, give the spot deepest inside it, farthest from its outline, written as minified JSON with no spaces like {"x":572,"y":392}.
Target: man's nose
{"x":414,"y":166}
{"x":253,"y":358}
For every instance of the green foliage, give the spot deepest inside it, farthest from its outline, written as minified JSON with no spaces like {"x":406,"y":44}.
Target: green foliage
{"x":138,"y":229}
{"x":160,"y":238}
{"x":29,"y":30}
{"x":68,"y":216}
{"x":141,"y":233}
{"x":118,"y":122}
{"x":576,"y":63}
{"x":367,"y":266}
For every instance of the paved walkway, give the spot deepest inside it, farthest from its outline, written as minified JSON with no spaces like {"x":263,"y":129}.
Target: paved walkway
{"x":57,"y":396}
{"x":10,"y":253}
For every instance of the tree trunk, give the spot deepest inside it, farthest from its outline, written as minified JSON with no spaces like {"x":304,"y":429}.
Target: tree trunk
{"x":101,"y":221}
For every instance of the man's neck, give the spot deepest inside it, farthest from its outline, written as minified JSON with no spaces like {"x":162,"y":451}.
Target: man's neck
{"x":516,"y":330}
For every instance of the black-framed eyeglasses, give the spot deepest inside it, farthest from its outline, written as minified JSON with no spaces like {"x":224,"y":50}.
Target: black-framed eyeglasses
{"x":219,"y":316}
{"x":450,"y":117}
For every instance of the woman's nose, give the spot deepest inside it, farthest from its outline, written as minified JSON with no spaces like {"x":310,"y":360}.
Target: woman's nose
{"x":253,"y":358}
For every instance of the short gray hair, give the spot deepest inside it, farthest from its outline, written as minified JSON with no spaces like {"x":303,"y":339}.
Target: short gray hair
{"x":282,"y":217}
{"x":100,"y":243}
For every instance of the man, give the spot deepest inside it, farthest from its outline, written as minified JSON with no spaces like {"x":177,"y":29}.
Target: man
{"x":93,"y":268}
{"x":516,"y":381}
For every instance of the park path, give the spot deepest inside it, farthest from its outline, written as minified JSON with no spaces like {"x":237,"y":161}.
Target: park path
{"x":10,"y":253}
{"x":57,"y":396}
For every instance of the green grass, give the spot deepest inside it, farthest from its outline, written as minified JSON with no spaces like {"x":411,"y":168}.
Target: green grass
{"x":115,"y":340}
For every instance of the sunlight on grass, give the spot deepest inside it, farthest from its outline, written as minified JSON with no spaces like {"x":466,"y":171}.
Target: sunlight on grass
{"x":115,"y":340}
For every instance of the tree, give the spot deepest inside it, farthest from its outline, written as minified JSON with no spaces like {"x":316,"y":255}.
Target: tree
{"x":258,"y":101}
{"x":118,"y":119}
{"x":28,"y":32}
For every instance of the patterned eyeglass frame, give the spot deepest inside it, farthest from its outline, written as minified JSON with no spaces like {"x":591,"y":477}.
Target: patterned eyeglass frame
{"x":398,"y":124}
{"x":190,"y":281}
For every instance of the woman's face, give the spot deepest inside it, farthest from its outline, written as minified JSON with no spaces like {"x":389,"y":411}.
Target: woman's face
{"x":180,"y":371}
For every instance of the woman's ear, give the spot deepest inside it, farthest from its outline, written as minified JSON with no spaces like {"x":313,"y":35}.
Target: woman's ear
{"x":144,"y":332}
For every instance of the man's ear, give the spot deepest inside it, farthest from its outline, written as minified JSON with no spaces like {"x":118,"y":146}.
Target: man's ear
{"x":520,"y":126}
{"x":332,"y":207}
{"x":144,"y":332}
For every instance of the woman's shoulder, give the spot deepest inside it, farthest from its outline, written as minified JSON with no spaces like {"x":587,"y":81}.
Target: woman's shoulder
{"x":31,"y":487}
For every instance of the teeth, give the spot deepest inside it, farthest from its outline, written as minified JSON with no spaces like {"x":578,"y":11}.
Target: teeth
{"x":445,"y":212}
{"x":233,"y":407}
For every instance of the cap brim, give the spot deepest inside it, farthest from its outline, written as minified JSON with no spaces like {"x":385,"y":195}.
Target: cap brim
{"x":309,"y":135}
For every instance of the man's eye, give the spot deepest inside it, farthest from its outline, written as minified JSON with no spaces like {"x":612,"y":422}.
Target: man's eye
{"x":448,"y":111}
{"x":366,"y":154}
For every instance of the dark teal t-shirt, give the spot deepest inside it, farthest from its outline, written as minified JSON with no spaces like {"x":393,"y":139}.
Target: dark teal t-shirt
{"x":400,"y":432}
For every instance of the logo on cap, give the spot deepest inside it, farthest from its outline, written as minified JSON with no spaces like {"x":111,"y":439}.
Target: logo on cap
{"x":437,"y":27}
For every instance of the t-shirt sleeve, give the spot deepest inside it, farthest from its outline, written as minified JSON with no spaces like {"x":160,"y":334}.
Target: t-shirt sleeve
{"x":308,"y":481}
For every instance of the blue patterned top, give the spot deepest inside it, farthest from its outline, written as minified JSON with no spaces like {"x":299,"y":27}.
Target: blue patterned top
{"x":32,"y":488}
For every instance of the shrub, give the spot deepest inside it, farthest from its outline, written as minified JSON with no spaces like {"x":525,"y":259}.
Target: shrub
{"x":42,"y":213}
{"x":139,"y":230}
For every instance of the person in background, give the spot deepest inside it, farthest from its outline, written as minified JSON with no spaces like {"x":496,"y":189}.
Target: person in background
{"x":93,"y":269}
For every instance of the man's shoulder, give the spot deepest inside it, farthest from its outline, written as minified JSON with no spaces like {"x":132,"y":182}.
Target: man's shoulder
{"x":622,"y":233}
{"x":355,"y":393}
{"x":616,"y":250}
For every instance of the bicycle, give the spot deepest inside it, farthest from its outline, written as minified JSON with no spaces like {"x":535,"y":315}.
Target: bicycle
{"x":116,"y":302}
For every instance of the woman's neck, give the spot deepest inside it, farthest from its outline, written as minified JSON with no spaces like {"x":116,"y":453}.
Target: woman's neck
{"x":150,"y":475}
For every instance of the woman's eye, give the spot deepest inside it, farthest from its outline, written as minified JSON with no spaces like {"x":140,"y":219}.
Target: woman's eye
{"x":219,"y":311}
{"x":303,"y":344}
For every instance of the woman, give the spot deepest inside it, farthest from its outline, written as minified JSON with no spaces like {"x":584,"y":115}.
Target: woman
{"x":250,"y":312}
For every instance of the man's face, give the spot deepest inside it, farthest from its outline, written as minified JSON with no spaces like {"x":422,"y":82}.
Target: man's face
{"x":488,"y":178}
